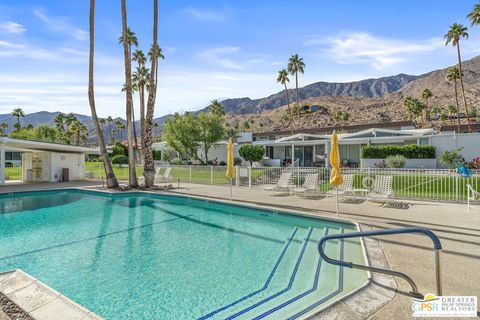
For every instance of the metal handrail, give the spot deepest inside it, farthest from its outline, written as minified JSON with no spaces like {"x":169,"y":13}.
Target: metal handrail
{"x":436,"y":244}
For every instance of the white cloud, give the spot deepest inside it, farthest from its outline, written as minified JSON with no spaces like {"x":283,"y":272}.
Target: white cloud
{"x":364,"y":48}
{"x":203,"y":14}
{"x":216,"y":56}
{"x":12,"y":27}
{"x":60,"y":24}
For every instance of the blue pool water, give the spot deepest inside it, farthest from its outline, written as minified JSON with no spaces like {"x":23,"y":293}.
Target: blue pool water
{"x":143,"y":256}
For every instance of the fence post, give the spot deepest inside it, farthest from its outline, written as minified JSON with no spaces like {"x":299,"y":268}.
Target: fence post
{"x":456,"y":187}
{"x":211,"y":175}
{"x":249,"y":177}
{"x":237,"y":178}
{"x":190,"y":173}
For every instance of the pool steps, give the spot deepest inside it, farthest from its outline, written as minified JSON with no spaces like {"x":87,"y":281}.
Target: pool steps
{"x":285,"y":293}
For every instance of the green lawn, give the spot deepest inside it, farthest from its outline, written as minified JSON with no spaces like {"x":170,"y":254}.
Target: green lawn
{"x":13,"y":173}
{"x":121,"y":172}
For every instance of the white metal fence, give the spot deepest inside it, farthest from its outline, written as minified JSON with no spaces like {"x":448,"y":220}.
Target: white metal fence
{"x":419,"y":184}
{"x":13,"y":173}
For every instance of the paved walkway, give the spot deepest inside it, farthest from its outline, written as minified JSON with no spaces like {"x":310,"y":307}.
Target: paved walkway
{"x":411,"y":254}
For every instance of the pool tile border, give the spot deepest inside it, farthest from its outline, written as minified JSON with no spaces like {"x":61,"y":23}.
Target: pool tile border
{"x":39,"y":301}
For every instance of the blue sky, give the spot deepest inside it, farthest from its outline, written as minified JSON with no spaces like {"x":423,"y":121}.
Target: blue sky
{"x":216,"y":49}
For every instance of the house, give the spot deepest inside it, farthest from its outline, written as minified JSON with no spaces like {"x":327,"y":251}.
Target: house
{"x":44,"y":161}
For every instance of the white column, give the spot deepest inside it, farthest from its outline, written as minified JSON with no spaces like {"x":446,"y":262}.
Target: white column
{"x":2,"y":163}
{"x":327,"y":154}
{"x":293,"y":154}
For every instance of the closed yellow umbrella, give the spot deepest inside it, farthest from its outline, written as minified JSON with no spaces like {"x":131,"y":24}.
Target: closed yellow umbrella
{"x":336,"y":178}
{"x":230,"y":165}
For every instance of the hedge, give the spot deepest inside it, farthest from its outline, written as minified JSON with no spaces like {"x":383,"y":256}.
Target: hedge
{"x":410,"y":151}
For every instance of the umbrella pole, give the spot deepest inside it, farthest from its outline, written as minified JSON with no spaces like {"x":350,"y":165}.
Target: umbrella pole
{"x":337,"y":206}
{"x":231,"y":191}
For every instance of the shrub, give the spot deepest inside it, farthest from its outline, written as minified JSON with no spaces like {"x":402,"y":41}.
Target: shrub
{"x":8,"y":164}
{"x":237,"y":161}
{"x":119,"y":149}
{"x":397,"y":161}
{"x":120,"y":159}
{"x":452,"y":159}
{"x":251,"y":153}
{"x":157,"y":155}
{"x":176,"y":161}
{"x":222,"y":163}
{"x":474,"y":164}
{"x":410,"y":151}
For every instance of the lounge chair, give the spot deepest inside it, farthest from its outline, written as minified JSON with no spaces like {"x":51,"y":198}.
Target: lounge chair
{"x":165,"y":177}
{"x":383,"y":190}
{"x":345,"y":189}
{"x":282,"y":185}
{"x":472,"y":196}
{"x":309,"y":186}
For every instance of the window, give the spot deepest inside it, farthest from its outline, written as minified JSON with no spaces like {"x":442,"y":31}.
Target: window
{"x":423,"y":141}
{"x":13,"y":155}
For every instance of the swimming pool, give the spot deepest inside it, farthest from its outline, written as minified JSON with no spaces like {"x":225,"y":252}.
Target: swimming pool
{"x":146,"y":256}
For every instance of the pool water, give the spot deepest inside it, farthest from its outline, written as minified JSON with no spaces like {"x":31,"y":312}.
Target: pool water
{"x":145,"y":256}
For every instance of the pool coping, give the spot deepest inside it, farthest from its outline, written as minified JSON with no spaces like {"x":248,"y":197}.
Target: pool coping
{"x":38,"y":300}
{"x":349,"y":304}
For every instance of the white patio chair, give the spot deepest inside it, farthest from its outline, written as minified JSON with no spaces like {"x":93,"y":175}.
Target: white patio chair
{"x":345,"y":189}
{"x":383,"y":190}
{"x":282,"y":185}
{"x":472,"y":196}
{"x":309,"y":186}
{"x":165,"y":177}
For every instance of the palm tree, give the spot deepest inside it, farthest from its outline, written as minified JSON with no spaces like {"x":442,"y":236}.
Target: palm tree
{"x":296,"y":65}
{"x":18,"y":113}
{"x":119,"y":125}
{"x":102,"y":122}
{"x":434,"y":112}
{"x":453,"y":36}
{"x":59,"y":121}
{"x":134,"y":89}
{"x":413,"y":107}
{"x":140,"y":78}
{"x":427,"y":94}
{"x":474,"y":16}
{"x":282,"y":78}
{"x":453,"y":111}
{"x":155,"y":127}
{"x":155,"y":54}
{"x":216,"y":107}
{"x":110,"y":122}
{"x":452,"y":75}
{"x":112,"y":181}
{"x":78,"y":130}
{"x":127,"y":40}
{"x":3,"y":127}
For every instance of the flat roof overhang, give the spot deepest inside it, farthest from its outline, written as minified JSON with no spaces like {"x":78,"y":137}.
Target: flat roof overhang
{"x":35,"y":146}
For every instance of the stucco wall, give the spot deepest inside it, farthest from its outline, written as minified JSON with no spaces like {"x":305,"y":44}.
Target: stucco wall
{"x":448,"y":142}
{"x":73,"y":161}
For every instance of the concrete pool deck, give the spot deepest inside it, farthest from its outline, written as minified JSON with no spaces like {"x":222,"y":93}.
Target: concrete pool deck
{"x":411,"y":254}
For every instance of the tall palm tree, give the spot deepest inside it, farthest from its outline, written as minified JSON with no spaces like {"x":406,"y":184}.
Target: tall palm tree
{"x":140,"y":78}
{"x":112,"y":181}
{"x":474,"y":16}
{"x":110,"y":122}
{"x":128,"y":41}
{"x":18,"y":113}
{"x":296,"y":65}
{"x":155,"y":127}
{"x":282,"y":78}
{"x":427,"y":94}
{"x":3,"y":127}
{"x":102,"y":122}
{"x":453,"y":111}
{"x":453,"y":36}
{"x":216,"y":107}
{"x":134,"y":89}
{"x":155,"y":54}
{"x":59,"y":121}
{"x":79,"y":131}
{"x":453,"y":74}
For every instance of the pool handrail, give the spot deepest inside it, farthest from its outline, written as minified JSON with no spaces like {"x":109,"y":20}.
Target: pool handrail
{"x":437,"y":245}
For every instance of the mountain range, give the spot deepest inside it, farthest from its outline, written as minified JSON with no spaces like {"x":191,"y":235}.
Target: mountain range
{"x":366,"y":101}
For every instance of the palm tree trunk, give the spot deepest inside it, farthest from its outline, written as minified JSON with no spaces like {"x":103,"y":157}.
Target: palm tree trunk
{"x":298,"y":99}
{"x":142,"y":112}
{"x":427,"y":113}
{"x":149,"y":164}
{"x":110,"y":175}
{"x":463,"y":88}
{"x":289,"y":108}
{"x":456,"y":100}
{"x":132,"y":175}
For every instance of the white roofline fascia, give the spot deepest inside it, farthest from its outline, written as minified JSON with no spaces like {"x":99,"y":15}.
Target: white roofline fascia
{"x":46,"y":146}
